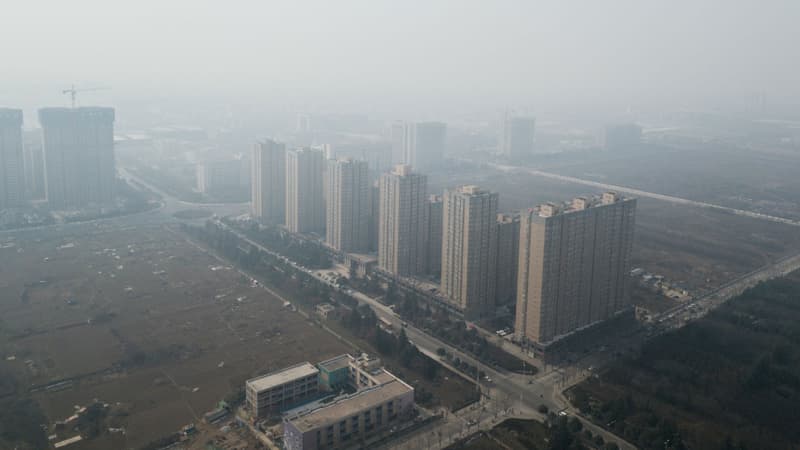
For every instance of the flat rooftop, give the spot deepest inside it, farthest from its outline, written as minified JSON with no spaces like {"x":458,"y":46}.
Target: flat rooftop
{"x":338,"y":362}
{"x":349,"y":405}
{"x":282,"y":376}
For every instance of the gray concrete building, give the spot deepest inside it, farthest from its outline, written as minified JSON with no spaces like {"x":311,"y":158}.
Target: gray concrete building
{"x":469,"y":240}
{"x":507,"y":258}
{"x":402,"y":222}
{"x":218,"y":176}
{"x":420,"y":145}
{"x":268,"y":188}
{"x":574,"y":261}
{"x":12,"y":166}
{"x":381,"y":401}
{"x":434,"y":235}
{"x":305,"y":202}
{"x":275,"y":392}
{"x":348,"y":205}
{"x":517,"y":139}
{"x":79,"y":160}
{"x":34,"y":164}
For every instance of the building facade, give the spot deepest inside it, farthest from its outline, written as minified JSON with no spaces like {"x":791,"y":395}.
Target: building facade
{"x":420,"y":145}
{"x":305,"y":202}
{"x":270,"y":394}
{"x":574,"y":261}
{"x":34,"y":164}
{"x":12,"y":166}
{"x":517,"y":140}
{"x":268,"y":188}
{"x":434,"y":235}
{"x":79,"y":157}
{"x":219,"y":176}
{"x":469,"y":240}
{"x":507,"y":258}
{"x":402,"y":222}
{"x":348,"y":205}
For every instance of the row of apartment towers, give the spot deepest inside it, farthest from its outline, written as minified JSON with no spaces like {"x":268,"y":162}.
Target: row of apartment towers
{"x":78,"y":157}
{"x":565,"y":266}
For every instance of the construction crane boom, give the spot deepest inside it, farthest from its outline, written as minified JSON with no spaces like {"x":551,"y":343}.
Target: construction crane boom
{"x":72,"y":92}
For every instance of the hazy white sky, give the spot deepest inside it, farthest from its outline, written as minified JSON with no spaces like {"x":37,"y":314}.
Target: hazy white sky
{"x":499,"y":52}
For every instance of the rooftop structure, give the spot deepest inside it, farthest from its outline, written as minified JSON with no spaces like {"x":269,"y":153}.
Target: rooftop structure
{"x":282,"y":376}
{"x":277,"y":391}
{"x":381,"y":400}
{"x":348,"y":405}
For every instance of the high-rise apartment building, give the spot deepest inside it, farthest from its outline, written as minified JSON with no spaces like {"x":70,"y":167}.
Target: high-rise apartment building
{"x":517,"y":141}
{"x":398,"y":137}
{"x":12,"y":169}
{"x":268,"y":199}
{"x":34,"y":164}
{"x":420,"y":145}
{"x":434,"y":235}
{"x":574,"y":262}
{"x":348,"y":205}
{"x":507,"y":258}
{"x":469,"y":239}
{"x":402,"y":222}
{"x":78,"y":155}
{"x":219,"y":176}
{"x":305,"y":203}
{"x":374,"y":215}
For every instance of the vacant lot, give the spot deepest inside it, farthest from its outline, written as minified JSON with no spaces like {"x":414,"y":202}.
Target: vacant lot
{"x":699,"y":248}
{"x":141,"y":320}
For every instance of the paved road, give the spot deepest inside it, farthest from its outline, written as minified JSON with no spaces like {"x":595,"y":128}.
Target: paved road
{"x":172,"y":204}
{"x":684,"y":313}
{"x":641,"y":193}
{"x":506,"y":391}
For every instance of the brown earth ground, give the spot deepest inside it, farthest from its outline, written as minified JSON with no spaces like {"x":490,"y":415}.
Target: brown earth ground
{"x":143,"y":321}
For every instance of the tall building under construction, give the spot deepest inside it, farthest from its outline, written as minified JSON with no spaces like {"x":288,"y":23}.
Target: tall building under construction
{"x":78,"y":156}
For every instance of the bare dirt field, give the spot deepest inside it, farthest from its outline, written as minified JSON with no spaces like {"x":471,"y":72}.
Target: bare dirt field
{"x":143,"y":321}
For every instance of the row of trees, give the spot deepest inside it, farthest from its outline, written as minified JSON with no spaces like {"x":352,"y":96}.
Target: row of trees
{"x":308,"y":254}
{"x":363,"y":322}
